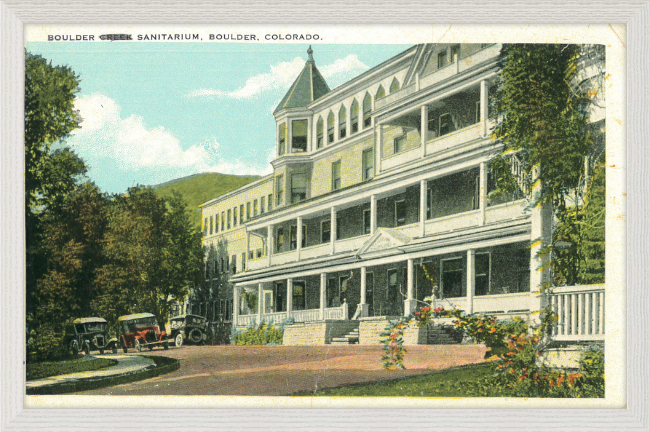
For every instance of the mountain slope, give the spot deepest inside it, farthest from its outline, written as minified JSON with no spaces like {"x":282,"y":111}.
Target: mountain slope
{"x":199,"y":188}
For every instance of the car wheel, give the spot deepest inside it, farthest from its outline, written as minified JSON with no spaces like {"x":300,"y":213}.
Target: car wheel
{"x":196,"y":336}
{"x":87,"y":350}
{"x":137,"y":345}
{"x":74,"y":348}
{"x":166,"y":345}
{"x":178,"y":340}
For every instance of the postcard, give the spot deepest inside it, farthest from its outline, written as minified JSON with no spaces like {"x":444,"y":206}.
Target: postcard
{"x":325,"y":216}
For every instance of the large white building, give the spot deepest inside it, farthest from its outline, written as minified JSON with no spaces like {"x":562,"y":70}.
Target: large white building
{"x":377,"y":184}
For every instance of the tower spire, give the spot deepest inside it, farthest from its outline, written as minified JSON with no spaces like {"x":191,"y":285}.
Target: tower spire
{"x":310,"y":52}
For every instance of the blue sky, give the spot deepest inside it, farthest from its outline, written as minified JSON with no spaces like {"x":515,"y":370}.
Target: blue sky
{"x":153,"y":112}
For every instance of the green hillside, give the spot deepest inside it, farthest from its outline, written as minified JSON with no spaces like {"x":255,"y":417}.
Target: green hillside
{"x":199,"y":188}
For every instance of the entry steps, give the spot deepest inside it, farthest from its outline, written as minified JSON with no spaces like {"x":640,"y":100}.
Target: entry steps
{"x":349,"y":339}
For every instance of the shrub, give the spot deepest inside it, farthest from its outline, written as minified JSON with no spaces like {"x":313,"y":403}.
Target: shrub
{"x":45,"y":344}
{"x":264,"y":334}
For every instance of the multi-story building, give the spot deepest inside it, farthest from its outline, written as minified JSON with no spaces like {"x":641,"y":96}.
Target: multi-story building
{"x":379,"y":194}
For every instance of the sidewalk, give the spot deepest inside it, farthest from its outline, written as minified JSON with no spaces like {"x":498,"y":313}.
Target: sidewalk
{"x":126,"y":364}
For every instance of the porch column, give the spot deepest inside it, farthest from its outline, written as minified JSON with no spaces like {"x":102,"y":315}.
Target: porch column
{"x":410,"y":303}
{"x":289,"y":297}
{"x":260,"y":302}
{"x":471,"y":280}
{"x":298,"y":236}
{"x":379,"y":153}
{"x":484,"y":106}
{"x":363,"y":304}
{"x":423,"y":207}
{"x":482,"y":194}
{"x":235,"y":305}
{"x":541,"y":217}
{"x":333,"y":229}
{"x":269,"y":243}
{"x":323,"y":293}
{"x":424,"y":128}
{"x":373,"y":214}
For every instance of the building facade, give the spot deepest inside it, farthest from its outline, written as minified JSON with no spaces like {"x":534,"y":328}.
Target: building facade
{"x":378,"y":201}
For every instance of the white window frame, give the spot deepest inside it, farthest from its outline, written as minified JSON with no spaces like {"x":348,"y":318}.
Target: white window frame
{"x":442,"y":260}
{"x":403,"y":200}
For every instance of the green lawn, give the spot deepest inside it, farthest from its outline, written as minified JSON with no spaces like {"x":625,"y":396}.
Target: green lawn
{"x":46,"y":369}
{"x":447,"y":383}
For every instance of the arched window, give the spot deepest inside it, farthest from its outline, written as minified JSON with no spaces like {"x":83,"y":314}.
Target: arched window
{"x":394,"y":86}
{"x":354,"y":117}
{"x":367,"y":109}
{"x":342,"y":122}
{"x":319,"y":133}
{"x":381,"y":93}
{"x":330,"y":128}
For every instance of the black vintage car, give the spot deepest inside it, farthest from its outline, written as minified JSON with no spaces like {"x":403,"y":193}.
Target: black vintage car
{"x":188,"y":328}
{"x":89,"y":334}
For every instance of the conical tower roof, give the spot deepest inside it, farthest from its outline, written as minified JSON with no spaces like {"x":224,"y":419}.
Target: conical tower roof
{"x":309,"y":86}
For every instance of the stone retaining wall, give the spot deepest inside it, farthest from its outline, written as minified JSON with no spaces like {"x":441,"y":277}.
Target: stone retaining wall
{"x":316,"y":332}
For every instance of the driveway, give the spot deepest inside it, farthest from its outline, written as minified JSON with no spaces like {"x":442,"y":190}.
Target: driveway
{"x":284,"y":370}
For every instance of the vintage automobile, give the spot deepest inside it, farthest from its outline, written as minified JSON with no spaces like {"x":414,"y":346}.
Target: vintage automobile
{"x":89,"y":334}
{"x":190,"y":328}
{"x":139,"y":331}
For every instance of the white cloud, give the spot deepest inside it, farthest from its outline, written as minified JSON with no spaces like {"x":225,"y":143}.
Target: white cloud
{"x":133,"y":146}
{"x":282,"y":76}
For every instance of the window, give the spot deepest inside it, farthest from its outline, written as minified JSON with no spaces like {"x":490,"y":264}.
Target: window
{"x":279,"y":239}
{"x":398,"y":143}
{"x":243,"y":261}
{"x":216,"y":223}
{"x":381,"y":93}
{"x":234,"y":216}
{"x":429,"y":202}
{"x":270,"y":202}
{"x":229,"y":217}
{"x":298,"y":295}
{"x":254,"y":208}
{"x":241,"y":214}
{"x":330,"y":128}
{"x":319,"y":133}
{"x":294,"y":237}
{"x":262,"y":203}
{"x":279,"y":190}
{"x":446,"y":125}
{"x":366,"y":221}
{"x":210,"y":224}
{"x":251,"y":254}
{"x":298,"y":187}
{"x":336,"y":175}
{"x":400,"y":213}
{"x":367,"y":109}
{"x":233,"y":263}
{"x":248,"y":210}
{"x":476,"y":199}
{"x":368,"y":164}
{"x":282,"y":139}
{"x":325,"y":231}
{"x":259,"y":253}
{"x":452,"y":277}
{"x":205,"y":225}
{"x":394,"y":86}
{"x":299,"y":130}
{"x":482,"y":274}
{"x":223,"y":265}
{"x":442,"y":59}
{"x":223,"y":220}
{"x":455,"y":53}
{"x":354,"y":117}
{"x":342,"y":122}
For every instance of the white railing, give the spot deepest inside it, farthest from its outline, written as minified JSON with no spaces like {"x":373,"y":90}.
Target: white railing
{"x":306,"y":315}
{"x":400,"y":159}
{"x":452,"y":222}
{"x":333,"y":313}
{"x":257,"y":263}
{"x":505,"y":211}
{"x":352,"y":243}
{"x":245,"y":320}
{"x":284,"y":257}
{"x":495,"y":304}
{"x":315,"y":251}
{"x":337,"y":313}
{"x":581,"y":312}
{"x":450,"y":140}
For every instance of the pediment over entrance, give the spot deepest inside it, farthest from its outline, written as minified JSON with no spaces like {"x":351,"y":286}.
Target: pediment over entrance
{"x":384,"y":239}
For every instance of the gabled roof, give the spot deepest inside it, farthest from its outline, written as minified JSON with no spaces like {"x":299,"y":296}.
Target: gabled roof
{"x":309,"y":86}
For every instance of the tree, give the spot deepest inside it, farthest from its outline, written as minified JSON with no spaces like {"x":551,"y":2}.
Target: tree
{"x":542,"y":107}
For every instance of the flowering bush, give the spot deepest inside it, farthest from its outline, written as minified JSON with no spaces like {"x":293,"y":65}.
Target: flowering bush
{"x":263,"y":334}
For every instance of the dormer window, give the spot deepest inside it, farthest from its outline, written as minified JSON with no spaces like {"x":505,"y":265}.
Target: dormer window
{"x":367,"y":109}
{"x":299,"y":129}
{"x":354,"y":117}
{"x":319,"y":133}
{"x":282,"y":139}
{"x":342,"y":122}
{"x":381,"y":93}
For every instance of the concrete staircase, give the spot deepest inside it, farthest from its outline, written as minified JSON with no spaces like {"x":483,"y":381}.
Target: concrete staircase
{"x":349,"y":339}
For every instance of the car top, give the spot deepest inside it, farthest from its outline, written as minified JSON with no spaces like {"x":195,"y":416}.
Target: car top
{"x":136,"y":316}
{"x":187,"y":315}
{"x":89,"y":320}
